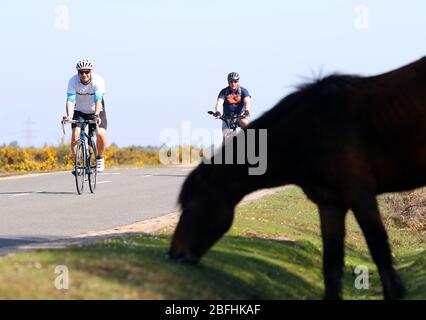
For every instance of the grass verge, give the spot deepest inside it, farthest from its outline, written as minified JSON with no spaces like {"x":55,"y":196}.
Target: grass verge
{"x":273,"y":251}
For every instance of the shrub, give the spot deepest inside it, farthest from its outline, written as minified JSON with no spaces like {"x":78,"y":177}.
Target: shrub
{"x":406,"y":209}
{"x":16,"y":159}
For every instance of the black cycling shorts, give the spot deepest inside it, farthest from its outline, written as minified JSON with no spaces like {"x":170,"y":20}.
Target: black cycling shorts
{"x":80,"y":115}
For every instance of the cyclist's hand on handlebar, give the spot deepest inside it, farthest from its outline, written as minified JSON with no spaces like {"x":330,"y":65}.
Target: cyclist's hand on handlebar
{"x":98,"y":119}
{"x":217,"y":114}
{"x":66,"y":119}
{"x":246,"y":114}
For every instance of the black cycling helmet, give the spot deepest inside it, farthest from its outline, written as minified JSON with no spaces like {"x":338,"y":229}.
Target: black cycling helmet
{"x":233,"y":76}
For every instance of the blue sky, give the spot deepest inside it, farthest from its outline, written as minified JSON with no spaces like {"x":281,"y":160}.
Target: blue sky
{"x":165,"y":61}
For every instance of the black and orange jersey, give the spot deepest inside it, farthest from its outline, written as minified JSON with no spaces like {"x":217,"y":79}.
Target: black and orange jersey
{"x":233,"y":99}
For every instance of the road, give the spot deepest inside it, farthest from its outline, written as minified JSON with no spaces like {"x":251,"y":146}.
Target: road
{"x":40,"y":208}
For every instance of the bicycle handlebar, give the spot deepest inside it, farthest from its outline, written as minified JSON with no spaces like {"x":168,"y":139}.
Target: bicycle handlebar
{"x":222,"y":117}
{"x":63,"y":122}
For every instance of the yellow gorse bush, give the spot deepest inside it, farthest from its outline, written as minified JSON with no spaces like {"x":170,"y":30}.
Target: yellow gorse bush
{"x":15,"y":159}
{"x":20,"y":160}
{"x":134,"y":156}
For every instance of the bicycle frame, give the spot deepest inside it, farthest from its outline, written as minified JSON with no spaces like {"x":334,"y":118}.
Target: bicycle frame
{"x":87,"y":141}
{"x":84,"y":168}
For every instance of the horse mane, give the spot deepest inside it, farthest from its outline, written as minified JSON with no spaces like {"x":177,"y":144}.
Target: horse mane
{"x":312,"y":96}
{"x":397,"y":75}
{"x":328,"y":84}
{"x":332,"y":91}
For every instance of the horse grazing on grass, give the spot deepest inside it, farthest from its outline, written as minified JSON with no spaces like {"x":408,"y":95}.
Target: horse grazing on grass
{"x":343,"y":139}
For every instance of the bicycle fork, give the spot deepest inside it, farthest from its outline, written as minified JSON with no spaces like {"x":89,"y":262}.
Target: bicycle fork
{"x":86,"y":160}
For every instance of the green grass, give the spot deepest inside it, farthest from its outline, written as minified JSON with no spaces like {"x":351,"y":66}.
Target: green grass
{"x":273,"y":251}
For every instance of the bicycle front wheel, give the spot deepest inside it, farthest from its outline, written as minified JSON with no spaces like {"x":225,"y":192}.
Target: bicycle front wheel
{"x":80,"y":168}
{"x":93,"y":166}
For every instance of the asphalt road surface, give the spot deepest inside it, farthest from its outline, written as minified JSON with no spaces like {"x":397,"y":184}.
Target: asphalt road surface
{"x":46,"y":207}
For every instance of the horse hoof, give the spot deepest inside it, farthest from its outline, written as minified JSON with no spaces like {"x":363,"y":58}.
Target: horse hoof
{"x":396,"y":293}
{"x":182,"y":257}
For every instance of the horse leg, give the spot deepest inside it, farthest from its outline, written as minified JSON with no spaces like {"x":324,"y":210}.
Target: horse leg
{"x":333,"y":233}
{"x":368,"y":216}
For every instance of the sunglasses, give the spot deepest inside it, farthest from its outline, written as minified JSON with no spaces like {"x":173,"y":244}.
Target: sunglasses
{"x":234,"y":81}
{"x":84,"y":71}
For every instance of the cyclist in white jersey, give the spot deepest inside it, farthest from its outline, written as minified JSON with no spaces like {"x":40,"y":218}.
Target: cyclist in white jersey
{"x":85,"y":99}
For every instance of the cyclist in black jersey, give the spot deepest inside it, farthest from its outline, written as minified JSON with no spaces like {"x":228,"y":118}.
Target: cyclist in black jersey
{"x":234,"y":99}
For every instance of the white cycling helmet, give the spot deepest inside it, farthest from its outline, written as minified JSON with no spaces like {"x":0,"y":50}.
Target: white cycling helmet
{"x":84,"y":65}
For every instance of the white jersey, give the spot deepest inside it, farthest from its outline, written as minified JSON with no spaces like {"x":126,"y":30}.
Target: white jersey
{"x":85,"y":95}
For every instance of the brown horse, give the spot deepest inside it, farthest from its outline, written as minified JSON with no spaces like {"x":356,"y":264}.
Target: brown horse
{"x":342,"y":139}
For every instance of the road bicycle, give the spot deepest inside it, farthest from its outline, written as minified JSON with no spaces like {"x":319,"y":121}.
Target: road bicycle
{"x":85,"y":168}
{"x":232,"y":121}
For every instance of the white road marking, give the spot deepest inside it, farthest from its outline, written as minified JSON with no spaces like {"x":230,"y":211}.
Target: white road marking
{"x":148,"y":175}
{"x":26,"y":193}
{"x":100,"y":182}
{"x":31,"y":175}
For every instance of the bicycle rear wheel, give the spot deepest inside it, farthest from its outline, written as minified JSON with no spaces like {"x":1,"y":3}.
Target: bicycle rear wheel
{"x":93,"y":166}
{"x":80,"y":168}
